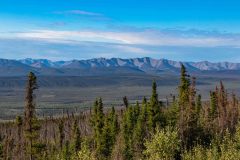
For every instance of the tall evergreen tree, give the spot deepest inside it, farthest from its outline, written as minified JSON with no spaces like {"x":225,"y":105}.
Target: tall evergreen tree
{"x":107,"y":136}
{"x":184,"y":87}
{"x":154,"y":109}
{"x":188,"y":119}
{"x":106,"y":142}
{"x":61,"y":133}
{"x":143,"y":111}
{"x":213,"y":105}
{"x":76,"y":137}
{"x":114,"y":125}
{"x":93,"y":119}
{"x":222,"y":102}
{"x":97,"y":121}
{"x":19,"y":123}
{"x":125,"y":101}
{"x":128,"y":127}
{"x":199,"y":104}
{"x":31,"y":123}
{"x":140,"y":131}
{"x":172,"y":113}
{"x":136,"y":111}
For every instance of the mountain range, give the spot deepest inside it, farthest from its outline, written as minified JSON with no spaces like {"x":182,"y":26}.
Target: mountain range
{"x":103,"y":66}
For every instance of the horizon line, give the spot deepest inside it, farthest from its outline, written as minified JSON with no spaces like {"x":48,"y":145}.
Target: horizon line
{"x":86,"y":59}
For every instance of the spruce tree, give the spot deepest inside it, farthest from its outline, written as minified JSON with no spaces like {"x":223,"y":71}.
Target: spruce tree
{"x":136,"y":112}
{"x":184,"y":86}
{"x":199,"y":104}
{"x":93,"y":119}
{"x":107,"y":135}
{"x":213,"y":105}
{"x":76,"y":137}
{"x":128,"y":127}
{"x":140,"y":130}
{"x":19,"y":123}
{"x":172,"y":113}
{"x":183,"y":100}
{"x":222,"y":109}
{"x":106,"y":141}
{"x":125,"y":101}
{"x":61,"y":133}
{"x":143,"y":111}
{"x":97,"y":121}
{"x":31,"y":123}
{"x":154,"y":109}
{"x":100,"y":122}
{"x":114,"y":126}
{"x":188,"y":118}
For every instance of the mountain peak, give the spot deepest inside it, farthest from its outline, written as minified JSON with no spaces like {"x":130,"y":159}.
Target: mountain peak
{"x":145,"y":64}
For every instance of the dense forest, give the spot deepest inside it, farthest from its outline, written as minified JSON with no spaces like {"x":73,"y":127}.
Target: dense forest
{"x":182,"y":128}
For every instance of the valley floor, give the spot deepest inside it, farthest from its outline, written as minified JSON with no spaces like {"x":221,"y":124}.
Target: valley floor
{"x":55,"y":100}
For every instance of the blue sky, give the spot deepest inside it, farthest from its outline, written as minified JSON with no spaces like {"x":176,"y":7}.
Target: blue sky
{"x":189,"y":30}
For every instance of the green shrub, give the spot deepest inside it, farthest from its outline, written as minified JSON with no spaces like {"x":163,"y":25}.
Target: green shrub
{"x":164,"y":144}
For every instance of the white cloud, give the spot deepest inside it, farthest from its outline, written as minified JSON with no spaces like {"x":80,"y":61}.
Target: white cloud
{"x":145,"y":37}
{"x":132,"y":49}
{"x":78,"y":12}
{"x":17,"y":48}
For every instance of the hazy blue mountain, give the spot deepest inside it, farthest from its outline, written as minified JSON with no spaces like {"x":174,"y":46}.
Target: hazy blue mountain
{"x":13,"y":68}
{"x":38,"y":63}
{"x":103,"y":66}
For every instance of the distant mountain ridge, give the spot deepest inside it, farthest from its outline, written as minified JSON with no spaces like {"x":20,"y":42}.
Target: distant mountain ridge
{"x":98,"y":66}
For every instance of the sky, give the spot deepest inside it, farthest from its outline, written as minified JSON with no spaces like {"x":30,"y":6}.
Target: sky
{"x":189,"y":30}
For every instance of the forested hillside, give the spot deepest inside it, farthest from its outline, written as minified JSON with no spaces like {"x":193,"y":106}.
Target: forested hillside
{"x":184,"y":127}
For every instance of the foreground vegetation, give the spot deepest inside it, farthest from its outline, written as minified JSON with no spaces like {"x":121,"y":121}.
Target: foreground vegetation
{"x":183,"y":128}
